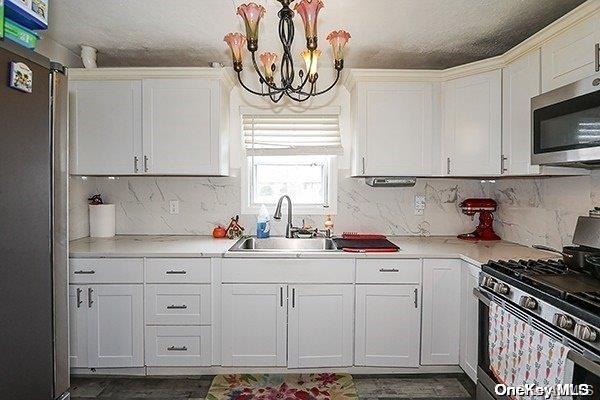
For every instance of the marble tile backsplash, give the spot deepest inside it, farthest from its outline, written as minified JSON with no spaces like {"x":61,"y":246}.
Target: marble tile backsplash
{"x":143,"y":205}
{"x":532,"y":210}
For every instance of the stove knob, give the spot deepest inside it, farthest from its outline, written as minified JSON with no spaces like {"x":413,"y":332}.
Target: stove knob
{"x":564,"y":321}
{"x":586,"y":333}
{"x":489,"y":283}
{"x":529,"y":303}
{"x":502,"y":288}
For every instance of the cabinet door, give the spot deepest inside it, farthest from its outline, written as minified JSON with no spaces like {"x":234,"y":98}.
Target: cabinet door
{"x":395,"y":129}
{"x":115,"y":325}
{"x":254,"y":325}
{"x":472,"y":124}
{"x":106,"y":127}
{"x":521,"y":82}
{"x":320,"y":327}
{"x":78,"y":351}
{"x":469,"y":316}
{"x":388,"y":325}
{"x":570,"y":56}
{"x":441,"y":312}
{"x":181,"y":126}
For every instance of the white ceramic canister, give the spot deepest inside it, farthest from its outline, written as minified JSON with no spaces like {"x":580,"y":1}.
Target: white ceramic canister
{"x":102,"y":220}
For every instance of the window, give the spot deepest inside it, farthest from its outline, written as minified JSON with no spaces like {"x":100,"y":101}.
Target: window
{"x":293,"y":155}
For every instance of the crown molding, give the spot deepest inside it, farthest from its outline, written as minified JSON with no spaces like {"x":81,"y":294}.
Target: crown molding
{"x":83,"y":74}
{"x":532,"y":43}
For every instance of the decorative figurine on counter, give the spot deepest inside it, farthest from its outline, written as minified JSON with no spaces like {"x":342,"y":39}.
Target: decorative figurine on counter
{"x":235,"y":230}
{"x":95,"y":200}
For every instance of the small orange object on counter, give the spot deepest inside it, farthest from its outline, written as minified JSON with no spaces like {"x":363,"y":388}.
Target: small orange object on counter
{"x":219,"y":232}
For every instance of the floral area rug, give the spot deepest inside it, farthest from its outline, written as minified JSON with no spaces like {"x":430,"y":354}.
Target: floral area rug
{"x":283,"y":387}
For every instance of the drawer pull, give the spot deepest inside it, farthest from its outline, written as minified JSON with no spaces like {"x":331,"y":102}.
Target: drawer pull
{"x":82,"y":272}
{"x":173,"y":348}
{"x":174,"y":307}
{"x":389,"y":270}
{"x":173,"y":272}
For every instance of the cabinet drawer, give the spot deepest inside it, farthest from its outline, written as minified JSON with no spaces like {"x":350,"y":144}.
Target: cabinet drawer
{"x":106,"y":270}
{"x":178,"y":304}
{"x":178,"y":346}
{"x":178,"y":270}
{"x":388,"y":271}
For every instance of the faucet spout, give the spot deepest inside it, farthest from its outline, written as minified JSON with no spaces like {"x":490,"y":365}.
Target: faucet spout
{"x":277,"y":215}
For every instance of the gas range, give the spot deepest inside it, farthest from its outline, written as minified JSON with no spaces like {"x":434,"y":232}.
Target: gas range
{"x":566,"y":299}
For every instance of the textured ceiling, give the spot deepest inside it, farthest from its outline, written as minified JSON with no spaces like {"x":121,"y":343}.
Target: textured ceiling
{"x":433,"y":34}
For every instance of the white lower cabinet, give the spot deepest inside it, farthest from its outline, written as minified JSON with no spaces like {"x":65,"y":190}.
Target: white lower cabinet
{"x":107,"y":326}
{"x":254,"y":325}
{"x":469,"y":316}
{"x":388,"y":325}
{"x":178,"y":346}
{"x":441,"y":312}
{"x":320,"y":326}
{"x":177,"y":304}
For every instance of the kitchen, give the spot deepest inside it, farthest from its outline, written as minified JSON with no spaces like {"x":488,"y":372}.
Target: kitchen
{"x":376,"y":228}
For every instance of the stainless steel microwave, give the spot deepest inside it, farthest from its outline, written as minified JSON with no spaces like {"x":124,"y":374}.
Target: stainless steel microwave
{"x":566,"y":125}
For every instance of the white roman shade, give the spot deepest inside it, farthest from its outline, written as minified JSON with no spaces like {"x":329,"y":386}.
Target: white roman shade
{"x":300,"y":134}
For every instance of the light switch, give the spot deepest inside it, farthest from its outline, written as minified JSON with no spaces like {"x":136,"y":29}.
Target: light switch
{"x":174,"y":207}
{"x":420,"y":204}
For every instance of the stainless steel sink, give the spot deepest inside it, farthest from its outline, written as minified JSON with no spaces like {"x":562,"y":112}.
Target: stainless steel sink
{"x":281,"y":244}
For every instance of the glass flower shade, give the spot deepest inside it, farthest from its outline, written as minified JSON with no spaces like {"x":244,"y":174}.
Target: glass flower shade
{"x":309,"y":12}
{"x":251,"y":13}
{"x":338,"y":41}
{"x":268,"y":61}
{"x":236,"y":42}
{"x":311,"y":58}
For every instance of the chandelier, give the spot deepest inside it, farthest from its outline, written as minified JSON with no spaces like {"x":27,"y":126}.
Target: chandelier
{"x":306,"y":86}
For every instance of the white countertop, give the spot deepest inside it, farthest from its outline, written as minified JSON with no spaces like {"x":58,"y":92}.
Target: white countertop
{"x":207,"y":246}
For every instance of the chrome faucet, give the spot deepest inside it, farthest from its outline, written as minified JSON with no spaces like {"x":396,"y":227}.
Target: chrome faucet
{"x":289,"y":228}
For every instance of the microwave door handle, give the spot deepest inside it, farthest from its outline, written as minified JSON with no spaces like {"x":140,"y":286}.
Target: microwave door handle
{"x":584,"y":362}
{"x":481,"y":297}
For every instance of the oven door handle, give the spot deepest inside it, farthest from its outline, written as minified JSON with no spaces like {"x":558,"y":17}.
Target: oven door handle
{"x":584,"y":362}
{"x":481,"y":297}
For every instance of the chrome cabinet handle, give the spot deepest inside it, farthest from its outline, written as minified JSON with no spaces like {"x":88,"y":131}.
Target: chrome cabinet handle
{"x":90,"y":301}
{"x":293,"y":297}
{"x":174,"y":307}
{"x":503,"y":160}
{"x":173,"y":348}
{"x":416,"y":298}
{"x":597,"y":56}
{"x":136,"y":160}
{"x":145,"y":163}
{"x":448,"y":165}
{"x":79,"y":301}
{"x":389,"y":270}
{"x":363,"y":166}
{"x":174,"y":272}
{"x":82,"y":272}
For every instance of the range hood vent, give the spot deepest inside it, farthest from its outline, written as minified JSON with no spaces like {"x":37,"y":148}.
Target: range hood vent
{"x":391,"y":182}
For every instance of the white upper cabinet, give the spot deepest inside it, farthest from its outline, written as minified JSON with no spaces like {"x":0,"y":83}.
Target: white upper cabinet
{"x":106,"y":127}
{"x":472,"y":124}
{"x":181,"y":126}
{"x":128,"y":121}
{"x":441,"y":312}
{"x":393,"y":128}
{"x":320,"y":326}
{"x":572,"y":55}
{"x":521,"y":82}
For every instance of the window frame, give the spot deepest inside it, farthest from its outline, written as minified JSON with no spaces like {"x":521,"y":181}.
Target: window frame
{"x":247,"y":182}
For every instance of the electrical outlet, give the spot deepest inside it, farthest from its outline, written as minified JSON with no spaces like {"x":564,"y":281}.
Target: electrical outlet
{"x":420,"y":205}
{"x":174,"y":207}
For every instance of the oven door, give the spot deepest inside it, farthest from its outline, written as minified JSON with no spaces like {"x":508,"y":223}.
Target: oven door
{"x":585,"y":366}
{"x":566,"y":124}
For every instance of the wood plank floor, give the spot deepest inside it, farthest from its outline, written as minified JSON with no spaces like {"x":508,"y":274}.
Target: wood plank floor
{"x":370,"y":387}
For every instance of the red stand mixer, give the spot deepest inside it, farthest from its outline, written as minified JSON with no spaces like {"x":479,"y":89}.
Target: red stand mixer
{"x":485,"y":208}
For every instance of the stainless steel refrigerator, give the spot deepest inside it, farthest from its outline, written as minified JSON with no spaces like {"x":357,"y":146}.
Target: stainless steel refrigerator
{"x":33,"y":229}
